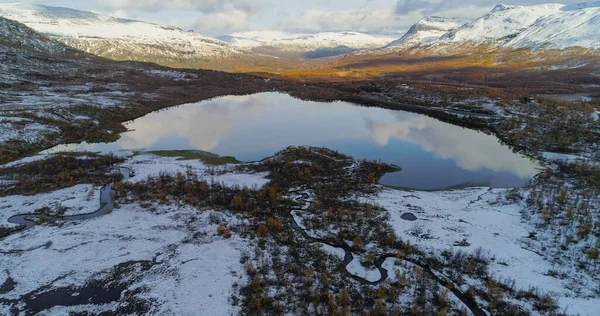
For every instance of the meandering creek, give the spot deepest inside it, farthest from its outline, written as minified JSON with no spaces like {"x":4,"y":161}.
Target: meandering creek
{"x":349,"y":257}
{"x":28,"y":221}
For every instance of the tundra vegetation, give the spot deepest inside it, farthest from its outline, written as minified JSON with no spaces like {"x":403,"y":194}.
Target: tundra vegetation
{"x":290,"y":273}
{"x":58,"y":171}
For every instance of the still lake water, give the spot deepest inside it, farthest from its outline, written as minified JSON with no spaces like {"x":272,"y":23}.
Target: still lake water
{"x":432,"y":154}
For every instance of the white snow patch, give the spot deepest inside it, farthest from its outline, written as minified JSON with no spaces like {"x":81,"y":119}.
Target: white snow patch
{"x":563,"y":157}
{"x":25,"y":160}
{"x":334,"y":251}
{"x":146,"y":165}
{"x":357,"y":269}
{"x":203,"y":285}
{"x":194,"y":273}
{"x":484,"y":220}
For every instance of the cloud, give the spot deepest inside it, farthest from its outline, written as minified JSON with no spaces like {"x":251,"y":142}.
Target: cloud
{"x":463,"y":9}
{"x":203,"y":126}
{"x":470,"y":150}
{"x":250,"y":7}
{"x":217,"y":17}
{"x":216,"y":23}
{"x":214,"y":17}
{"x":369,"y":19}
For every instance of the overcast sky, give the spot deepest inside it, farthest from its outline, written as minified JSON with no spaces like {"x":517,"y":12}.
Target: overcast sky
{"x":218,"y":17}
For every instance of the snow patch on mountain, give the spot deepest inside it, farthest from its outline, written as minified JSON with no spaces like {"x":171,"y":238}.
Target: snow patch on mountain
{"x":574,"y":25}
{"x":502,"y":23}
{"x":536,"y":26}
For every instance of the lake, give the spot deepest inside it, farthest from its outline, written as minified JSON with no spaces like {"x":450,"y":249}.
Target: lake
{"x":432,"y":154}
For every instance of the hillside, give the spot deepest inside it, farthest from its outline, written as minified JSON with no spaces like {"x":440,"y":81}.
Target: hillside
{"x":501,"y":24}
{"x":120,"y":39}
{"x":17,"y":35}
{"x":575,"y":25}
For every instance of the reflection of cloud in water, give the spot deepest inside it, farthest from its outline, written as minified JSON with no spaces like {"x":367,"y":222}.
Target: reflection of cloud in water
{"x":204,"y":126}
{"x":469,"y":149}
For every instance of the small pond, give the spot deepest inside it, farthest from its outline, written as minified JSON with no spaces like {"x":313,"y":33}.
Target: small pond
{"x":432,"y":154}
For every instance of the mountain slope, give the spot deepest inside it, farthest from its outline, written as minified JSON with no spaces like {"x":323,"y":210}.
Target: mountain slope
{"x":575,"y":25}
{"x":24,"y":51}
{"x":119,"y":39}
{"x":308,"y":45}
{"x":501,"y":24}
{"x":15,"y":34}
{"x":551,"y":26}
{"x":427,"y":30}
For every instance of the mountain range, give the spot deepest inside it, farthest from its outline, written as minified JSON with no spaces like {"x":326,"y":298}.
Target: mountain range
{"x":538,"y":26}
{"x":317,"y":45}
{"x":545,"y":26}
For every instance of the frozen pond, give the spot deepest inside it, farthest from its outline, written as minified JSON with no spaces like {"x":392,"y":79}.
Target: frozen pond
{"x":432,"y":154}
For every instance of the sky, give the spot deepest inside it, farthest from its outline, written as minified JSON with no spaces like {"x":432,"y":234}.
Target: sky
{"x":220,"y":17}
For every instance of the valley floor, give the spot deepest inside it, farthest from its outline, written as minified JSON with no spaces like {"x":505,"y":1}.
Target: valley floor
{"x":170,"y":259}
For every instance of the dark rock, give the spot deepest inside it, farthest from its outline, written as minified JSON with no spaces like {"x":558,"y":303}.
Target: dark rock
{"x":409,"y":217}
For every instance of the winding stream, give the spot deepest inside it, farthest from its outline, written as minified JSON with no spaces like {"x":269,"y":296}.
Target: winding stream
{"x":349,"y":257}
{"x":28,"y":221}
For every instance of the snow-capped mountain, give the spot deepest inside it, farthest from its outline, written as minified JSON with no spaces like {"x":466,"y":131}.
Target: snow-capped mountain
{"x":500,"y":25}
{"x":573,"y":25}
{"x":510,"y":26}
{"x":119,"y":39}
{"x":310,"y":45}
{"x":427,"y":30}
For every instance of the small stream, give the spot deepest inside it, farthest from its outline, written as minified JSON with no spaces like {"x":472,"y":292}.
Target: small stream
{"x":28,"y":221}
{"x":348,"y":257}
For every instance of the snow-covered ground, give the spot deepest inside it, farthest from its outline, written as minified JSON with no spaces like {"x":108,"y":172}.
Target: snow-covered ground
{"x":564,"y":157}
{"x":357,"y":269}
{"x":194,"y":269}
{"x":80,"y":199}
{"x":148,"y":165}
{"x":25,"y":161}
{"x":193,"y":273}
{"x":483,"y":219}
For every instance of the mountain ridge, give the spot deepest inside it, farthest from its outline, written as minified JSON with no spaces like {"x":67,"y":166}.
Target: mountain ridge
{"x":282,"y":43}
{"x":119,"y":39}
{"x":551,"y":26}
{"x":426,"y":30}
